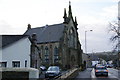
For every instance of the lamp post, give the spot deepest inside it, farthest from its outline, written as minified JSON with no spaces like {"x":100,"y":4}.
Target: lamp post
{"x":86,"y":40}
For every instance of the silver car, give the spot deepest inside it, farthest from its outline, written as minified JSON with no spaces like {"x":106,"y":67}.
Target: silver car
{"x":101,"y":70}
{"x":53,"y":71}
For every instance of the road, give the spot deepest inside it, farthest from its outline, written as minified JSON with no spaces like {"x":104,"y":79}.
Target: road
{"x":84,"y":75}
{"x":89,"y":74}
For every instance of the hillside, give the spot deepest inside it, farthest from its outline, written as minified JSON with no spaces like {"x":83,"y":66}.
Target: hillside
{"x":105,"y":55}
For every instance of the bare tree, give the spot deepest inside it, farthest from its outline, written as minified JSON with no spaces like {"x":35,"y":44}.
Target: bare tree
{"x":115,"y":29}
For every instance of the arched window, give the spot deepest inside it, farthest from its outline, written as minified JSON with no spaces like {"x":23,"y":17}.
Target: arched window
{"x":55,"y":51}
{"x":42,"y":52}
{"x":72,"y":38}
{"x":56,"y":55}
{"x":46,"y":54}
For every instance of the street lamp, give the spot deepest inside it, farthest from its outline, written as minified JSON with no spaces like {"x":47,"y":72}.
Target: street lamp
{"x":86,"y":40}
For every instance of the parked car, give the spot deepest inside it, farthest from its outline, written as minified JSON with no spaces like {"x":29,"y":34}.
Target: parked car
{"x":53,"y":71}
{"x":101,"y":70}
{"x":109,"y":65}
{"x":43,"y":68}
{"x":97,"y":65}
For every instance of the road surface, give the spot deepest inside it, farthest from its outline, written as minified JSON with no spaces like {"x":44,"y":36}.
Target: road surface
{"x":89,"y":74}
{"x":84,"y":75}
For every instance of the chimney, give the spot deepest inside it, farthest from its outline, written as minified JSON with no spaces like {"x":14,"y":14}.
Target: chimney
{"x":29,"y":27}
{"x":34,"y":37}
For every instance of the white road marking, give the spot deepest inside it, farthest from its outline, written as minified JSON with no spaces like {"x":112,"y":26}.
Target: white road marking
{"x":93,"y":74}
{"x":110,"y":75}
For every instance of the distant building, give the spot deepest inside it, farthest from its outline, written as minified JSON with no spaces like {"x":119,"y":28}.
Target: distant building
{"x":15,"y":51}
{"x":102,"y":61}
{"x":58,"y":43}
{"x":86,"y":60}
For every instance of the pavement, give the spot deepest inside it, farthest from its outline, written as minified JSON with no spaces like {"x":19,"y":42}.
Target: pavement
{"x":84,"y":75}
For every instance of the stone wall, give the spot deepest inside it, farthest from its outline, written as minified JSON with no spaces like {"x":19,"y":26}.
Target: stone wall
{"x":19,"y":73}
{"x":70,"y":75}
{"x":50,"y":47}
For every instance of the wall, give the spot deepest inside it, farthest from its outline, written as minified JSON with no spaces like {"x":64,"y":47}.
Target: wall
{"x":0,"y":47}
{"x":18,"y":73}
{"x":18,"y":51}
{"x":70,"y":49}
{"x":51,"y":52}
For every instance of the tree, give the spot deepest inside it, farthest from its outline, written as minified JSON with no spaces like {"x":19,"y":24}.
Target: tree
{"x":115,"y":38}
{"x":115,"y":28}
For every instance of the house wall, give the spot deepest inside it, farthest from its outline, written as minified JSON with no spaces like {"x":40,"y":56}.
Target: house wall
{"x":35,"y":57}
{"x":51,"y":46}
{"x":19,"y":73}
{"x":71,"y":49}
{"x":0,"y":54}
{"x":18,"y":51}
{"x":71,"y":26}
{"x":0,"y":47}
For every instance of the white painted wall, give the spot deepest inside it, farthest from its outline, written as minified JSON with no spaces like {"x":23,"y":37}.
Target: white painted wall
{"x":33,"y":73}
{"x":18,"y":51}
{"x":0,"y":54}
{"x":0,"y":47}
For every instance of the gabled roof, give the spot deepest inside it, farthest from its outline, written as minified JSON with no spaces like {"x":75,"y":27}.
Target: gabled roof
{"x":48,"y":33}
{"x":9,"y":39}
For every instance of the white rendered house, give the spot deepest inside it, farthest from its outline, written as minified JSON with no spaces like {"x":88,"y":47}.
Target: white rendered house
{"x":15,"y":51}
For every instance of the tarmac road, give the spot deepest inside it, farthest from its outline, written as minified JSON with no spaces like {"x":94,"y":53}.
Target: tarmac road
{"x":89,"y":74}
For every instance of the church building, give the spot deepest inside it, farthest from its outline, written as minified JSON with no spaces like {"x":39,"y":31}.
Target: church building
{"x":58,"y":43}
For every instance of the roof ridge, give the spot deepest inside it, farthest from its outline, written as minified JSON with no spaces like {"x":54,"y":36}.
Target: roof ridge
{"x":10,"y":39}
{"x":13,"y":35}
{"x":47,"y":34}
{"x":47,"y":25}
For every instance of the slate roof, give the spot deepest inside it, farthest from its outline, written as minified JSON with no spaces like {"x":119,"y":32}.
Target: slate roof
{"x":48,"y":33}
{"x":6,"y":40}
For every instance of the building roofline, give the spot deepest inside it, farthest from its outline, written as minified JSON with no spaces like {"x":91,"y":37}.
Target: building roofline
{"x":10,"y":43}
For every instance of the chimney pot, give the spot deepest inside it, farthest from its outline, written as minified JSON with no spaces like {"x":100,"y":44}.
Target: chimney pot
{"x":29,"y":26}
{"x":34,"y":36}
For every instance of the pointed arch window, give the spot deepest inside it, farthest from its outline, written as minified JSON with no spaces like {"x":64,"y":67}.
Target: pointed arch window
{"x":72,"y":38}
{"x":56,"y":55}
{"x":46,"y":54}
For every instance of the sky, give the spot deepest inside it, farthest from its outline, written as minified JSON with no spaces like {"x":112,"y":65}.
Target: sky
{"x":94,"y":15}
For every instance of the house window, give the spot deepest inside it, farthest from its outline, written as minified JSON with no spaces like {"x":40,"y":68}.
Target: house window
{"x":16,"y":63}
{"x":56,"y":55}
{"x":3,"y":64}
{"x":46,"y":54}
{"x":72,"y":38}
{"x":25,"y":63}
{"x":41,"y":53}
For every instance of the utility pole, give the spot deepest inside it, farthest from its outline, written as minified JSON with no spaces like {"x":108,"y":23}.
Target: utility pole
{"x":86,"y":40}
